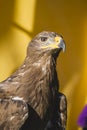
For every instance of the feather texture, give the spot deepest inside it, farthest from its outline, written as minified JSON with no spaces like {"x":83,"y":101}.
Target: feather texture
{"x":32,"y":87}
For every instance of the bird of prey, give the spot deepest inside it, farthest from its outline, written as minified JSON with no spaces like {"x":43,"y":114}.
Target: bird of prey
{"x":29,"y":98}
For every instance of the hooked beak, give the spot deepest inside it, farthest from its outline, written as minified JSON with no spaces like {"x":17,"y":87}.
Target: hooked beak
{"x":62,"y":45}
{"x":60,"y":42}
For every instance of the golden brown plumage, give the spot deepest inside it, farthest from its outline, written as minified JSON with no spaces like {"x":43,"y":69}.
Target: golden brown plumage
{"x":33,"y":88}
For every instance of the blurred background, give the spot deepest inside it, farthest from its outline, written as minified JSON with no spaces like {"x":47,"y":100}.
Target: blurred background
{"x":20,"y":20}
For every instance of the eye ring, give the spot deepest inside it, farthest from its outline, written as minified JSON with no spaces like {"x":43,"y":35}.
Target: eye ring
{"x":43,"y":39}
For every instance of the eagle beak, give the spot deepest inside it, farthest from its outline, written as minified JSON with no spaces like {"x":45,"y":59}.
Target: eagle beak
{"x":60,"y":43}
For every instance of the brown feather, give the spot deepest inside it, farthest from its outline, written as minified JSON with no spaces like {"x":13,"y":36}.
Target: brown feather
{"x":35,"y":82}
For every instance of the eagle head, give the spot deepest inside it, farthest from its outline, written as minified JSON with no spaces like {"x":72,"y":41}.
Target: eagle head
{"x":48,"y":42}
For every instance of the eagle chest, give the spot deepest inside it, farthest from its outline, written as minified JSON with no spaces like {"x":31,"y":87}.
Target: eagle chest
{"x":43,"y":89}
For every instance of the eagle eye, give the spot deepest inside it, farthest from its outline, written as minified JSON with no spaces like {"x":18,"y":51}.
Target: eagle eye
{"x":43,"y":39}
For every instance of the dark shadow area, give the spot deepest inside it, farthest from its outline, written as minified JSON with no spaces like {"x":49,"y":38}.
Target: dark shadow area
{"x":6,"y":16}
{"x":16,"y":25}
{"x":84,"y":128}
{"x":33,"y":122}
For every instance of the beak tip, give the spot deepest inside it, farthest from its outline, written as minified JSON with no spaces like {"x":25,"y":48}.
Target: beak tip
{"x":62,"y":45}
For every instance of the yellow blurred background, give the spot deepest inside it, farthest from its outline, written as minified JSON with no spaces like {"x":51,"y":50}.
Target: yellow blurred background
{"x":20,"y":20}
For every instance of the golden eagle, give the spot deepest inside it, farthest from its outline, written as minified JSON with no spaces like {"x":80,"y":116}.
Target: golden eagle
{"x":29,"y":98}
